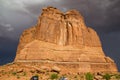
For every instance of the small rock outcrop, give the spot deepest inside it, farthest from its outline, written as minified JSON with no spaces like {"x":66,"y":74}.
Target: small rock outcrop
{"x":63,"y":39}
{"x":56,"y":69}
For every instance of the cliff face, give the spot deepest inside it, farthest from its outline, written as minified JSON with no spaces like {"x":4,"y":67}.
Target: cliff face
{"x":62,"y":37}
{"x":65,"y":29}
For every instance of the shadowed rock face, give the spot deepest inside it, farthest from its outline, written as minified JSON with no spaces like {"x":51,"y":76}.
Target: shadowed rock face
{"x":63,"y":37}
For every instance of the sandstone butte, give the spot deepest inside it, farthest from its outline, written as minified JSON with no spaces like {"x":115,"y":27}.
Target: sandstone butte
{"x":63,"y":40}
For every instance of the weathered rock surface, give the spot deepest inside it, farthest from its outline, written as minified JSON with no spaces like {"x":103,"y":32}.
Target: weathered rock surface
{"x":56,"y":69}
{"x":64,"y":39}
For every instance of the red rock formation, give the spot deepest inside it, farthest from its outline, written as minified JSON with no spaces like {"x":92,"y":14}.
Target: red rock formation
{"x":63,"y":37}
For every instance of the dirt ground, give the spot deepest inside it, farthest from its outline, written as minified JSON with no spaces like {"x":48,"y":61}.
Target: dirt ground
{"x":18,"y":71}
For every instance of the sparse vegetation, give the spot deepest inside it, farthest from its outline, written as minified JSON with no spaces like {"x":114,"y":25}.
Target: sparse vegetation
{"x":54,"y":76}
{"x":24,"y":74}
{"x":18,"y":77}
{"x":89,"y":76}
{"x":117,"y":76}
{"x":107,"y":76}
{"x":14,"y":73}
{"x":20,"y":72}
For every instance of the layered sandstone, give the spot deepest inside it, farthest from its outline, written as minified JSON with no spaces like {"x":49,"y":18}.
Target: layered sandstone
{"x":63,"y":37}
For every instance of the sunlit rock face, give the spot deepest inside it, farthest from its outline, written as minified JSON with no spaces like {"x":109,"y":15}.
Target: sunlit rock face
{"x":63,"y":37}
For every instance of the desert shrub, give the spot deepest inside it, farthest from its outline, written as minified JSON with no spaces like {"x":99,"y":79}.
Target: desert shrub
{"x":54,"y":76}
{"x":18,"y":77}
{"x":24,"y":74}
{"x":117,"y":76}
{"x":107,"y":76}
{"x":14,"y":73}
{"x":89,"y":76}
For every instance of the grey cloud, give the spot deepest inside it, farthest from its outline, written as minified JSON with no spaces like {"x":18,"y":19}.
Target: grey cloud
{"x":14,"y":18}
{"x":101,"y":15}
{"x":6,"y":30}
{"x":8,"y":27}
{"x":113,"y":17}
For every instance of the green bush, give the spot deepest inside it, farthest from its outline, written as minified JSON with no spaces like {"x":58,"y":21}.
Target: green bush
{"x":14,"y":73}
{"x":54,"y":76}
{"x":89,"y":76}
{"x":107,"y":76}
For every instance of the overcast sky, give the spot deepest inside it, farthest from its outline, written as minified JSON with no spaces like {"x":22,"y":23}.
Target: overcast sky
{"x":101,"y":15}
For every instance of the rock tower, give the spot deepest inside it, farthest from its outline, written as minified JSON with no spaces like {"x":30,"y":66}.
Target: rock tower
{"x":63,"y":39}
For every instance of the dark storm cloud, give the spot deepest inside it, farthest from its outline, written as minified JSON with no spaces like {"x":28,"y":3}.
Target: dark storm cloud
{"x":113,"y":17}
{"x":14,"y":19}
{"x":7,"y":50}
{"x":102,"y":15}
{"x":111,"y":46}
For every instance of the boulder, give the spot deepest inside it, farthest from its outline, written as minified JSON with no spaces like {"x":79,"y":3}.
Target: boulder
{"x":56,"y":69}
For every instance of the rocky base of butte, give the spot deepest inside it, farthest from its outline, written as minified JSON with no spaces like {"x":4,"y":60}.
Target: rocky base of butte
{"x":63,"y":40}
{"x":23,"y":71}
